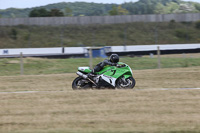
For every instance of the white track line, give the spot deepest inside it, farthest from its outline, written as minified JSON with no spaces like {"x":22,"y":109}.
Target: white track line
{"x":26,"y":92}
{"x":181,"y":89}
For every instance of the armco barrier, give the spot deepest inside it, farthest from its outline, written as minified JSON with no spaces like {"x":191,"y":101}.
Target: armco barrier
{"x":82,"y":51}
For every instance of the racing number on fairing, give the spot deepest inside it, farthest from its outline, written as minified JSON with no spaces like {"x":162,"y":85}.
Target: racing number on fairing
{"x":114,"y":71}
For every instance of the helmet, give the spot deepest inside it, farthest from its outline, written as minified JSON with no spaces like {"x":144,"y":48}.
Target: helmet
{"x":114,"y":58}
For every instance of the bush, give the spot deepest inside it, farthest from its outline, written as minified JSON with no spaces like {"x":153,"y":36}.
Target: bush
{"x":197,"y":24}
{"x":172,"y":23}
{"x":182,"y":33}
{"x":13,"y":34}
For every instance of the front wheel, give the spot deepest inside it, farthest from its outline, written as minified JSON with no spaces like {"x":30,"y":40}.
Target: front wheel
{"x":123,"y":83}
{"x":81,"y":83}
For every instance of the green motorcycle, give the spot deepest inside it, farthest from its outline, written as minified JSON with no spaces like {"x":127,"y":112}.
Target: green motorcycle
{"x":119,"y":77}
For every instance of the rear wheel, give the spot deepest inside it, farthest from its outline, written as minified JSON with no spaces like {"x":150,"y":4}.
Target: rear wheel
{"x":123,"y":83}
{"x":81,"y":83}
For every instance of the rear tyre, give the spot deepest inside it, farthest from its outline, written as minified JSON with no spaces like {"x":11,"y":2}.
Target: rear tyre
{"x":80,"y":83}
{"x":129,"y":83}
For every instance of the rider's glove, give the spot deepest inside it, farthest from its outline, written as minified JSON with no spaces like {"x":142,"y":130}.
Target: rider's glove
{"x":114,"y":64}
{"x":118,"y":65}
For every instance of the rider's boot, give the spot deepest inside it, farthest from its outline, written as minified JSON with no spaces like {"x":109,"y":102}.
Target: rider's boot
{"x":90,"y":75}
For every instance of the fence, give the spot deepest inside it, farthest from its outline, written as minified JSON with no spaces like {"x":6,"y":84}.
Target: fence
{"x":85,"y":20}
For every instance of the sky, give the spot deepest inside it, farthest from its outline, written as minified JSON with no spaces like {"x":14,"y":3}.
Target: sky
{"x":34,"y":3}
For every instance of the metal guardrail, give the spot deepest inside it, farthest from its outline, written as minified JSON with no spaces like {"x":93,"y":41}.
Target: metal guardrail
{"x":83,"y":51}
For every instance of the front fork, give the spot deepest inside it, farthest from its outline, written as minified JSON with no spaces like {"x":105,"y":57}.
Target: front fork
{"x":125,"y":81}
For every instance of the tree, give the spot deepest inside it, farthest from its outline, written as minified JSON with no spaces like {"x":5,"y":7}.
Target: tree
{"x":197,"y":6}
{"x":118,"y":11}
{"x":185,"y":8}
{"x":122,"y":11}
{"x":56,"y":12}
{"x":170,"y":7}
{"x":42,"y":12}
{"x":68,"y":11}
{"x":12,"y":15}
{"x":34,"y":13}
{"x":159,"y":9}
{"x":113,"y":11}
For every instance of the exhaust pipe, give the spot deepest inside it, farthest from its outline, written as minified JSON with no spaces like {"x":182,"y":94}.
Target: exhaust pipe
{"x":82,"y":75}
{"x":85,"y":77}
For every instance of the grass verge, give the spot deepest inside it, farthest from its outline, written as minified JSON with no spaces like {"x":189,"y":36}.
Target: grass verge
{"x":36,"y":66}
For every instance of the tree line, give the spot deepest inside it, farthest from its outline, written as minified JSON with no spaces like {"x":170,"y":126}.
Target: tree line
{"x":42,"y":12}
{"x":99,"y":9}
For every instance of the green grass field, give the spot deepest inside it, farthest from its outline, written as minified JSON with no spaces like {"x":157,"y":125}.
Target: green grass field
{"x":35,"y":66}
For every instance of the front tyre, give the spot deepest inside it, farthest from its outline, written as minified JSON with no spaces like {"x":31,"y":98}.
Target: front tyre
{"x":80,"y":83}
{"x":128,"y":83}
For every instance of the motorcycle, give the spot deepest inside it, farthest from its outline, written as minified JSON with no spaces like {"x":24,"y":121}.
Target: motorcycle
{"x":119,"y":76}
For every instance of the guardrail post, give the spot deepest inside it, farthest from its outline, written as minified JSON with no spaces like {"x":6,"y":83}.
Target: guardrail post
{"x":158,"y":53}
{"x":21,"y":64}
{"x":90,"y":54}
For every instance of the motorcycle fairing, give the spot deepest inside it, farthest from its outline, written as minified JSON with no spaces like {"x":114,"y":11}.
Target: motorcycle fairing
{"x":108,"y":79}
{"x":84,"y":69}
{"x":115,"y":72}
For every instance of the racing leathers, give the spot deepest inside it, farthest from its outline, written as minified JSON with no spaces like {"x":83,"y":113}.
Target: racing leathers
{"x":102,"y":64}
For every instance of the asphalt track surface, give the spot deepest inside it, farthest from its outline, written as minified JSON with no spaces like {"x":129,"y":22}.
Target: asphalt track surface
{"x":27,"y":92}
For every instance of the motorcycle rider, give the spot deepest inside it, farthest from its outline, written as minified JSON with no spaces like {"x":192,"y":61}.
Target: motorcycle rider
{"x":112,"y":61}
